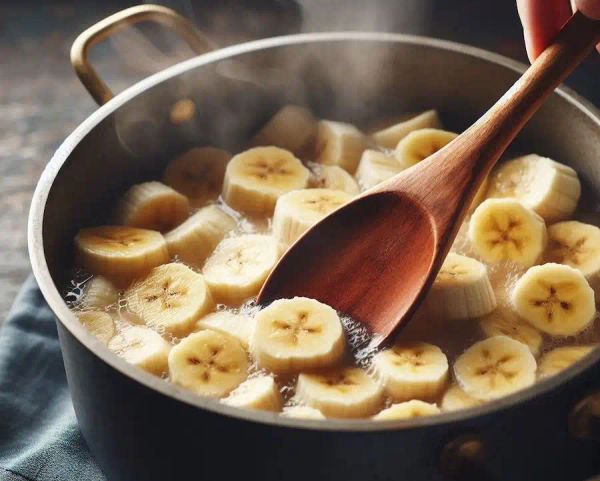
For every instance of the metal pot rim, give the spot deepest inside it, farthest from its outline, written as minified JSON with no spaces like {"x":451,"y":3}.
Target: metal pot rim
{"x":70,"y":321}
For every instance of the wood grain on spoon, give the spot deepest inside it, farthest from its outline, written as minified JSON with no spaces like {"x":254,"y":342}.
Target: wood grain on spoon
{"x":375,"y":258}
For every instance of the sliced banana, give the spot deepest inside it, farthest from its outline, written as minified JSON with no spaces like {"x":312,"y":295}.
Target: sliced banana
{"x":341,"y":393}
{"x":561,"y":358}
{"x":339,"y":144}
{"x":407,"y":410}
{"x":390,"y":136}
{"x":301,"y":412}
{"x":226,"y":322}
{"x":503,"y":323}
{"x":256,"y":178}
{"x":420,"y":144}
{"x":208,"y":363}
{"x":375,"y":167}
{"x":577,"y":245}
{"x":239,"y":266}
{"x":332,"y":177}
{"x":412,"y":371}
{"x":100,"y":293}
{"x":297,"y":211}
{"x":99,"y":323}
{"x":495,"y":367}
{"x":194,"y":240}
{"x":504,"y":229}
{"x":170,"y":299}
{"x":555,"y":298}
{"x":152,"y":205}
{"x":461,"y":290}
{"x":120,"y":253}
{"x":548,"y":187}
{"x":259,"y":393}
{"x":456,"y":399}
{"x":143,"y":348}
{"x":198,"y":174}
{"x":292,"y":128}
{"x":296,"y":334}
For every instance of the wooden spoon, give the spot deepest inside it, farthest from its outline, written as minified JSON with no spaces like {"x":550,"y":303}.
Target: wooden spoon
{"x":375,"y":258}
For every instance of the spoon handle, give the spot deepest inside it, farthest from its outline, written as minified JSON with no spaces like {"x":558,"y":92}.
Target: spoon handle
{"x":504,"y":120}
{"x":468,"y":159}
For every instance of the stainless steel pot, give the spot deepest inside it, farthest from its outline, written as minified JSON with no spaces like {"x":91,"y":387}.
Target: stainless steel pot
{"x":144,"y":429}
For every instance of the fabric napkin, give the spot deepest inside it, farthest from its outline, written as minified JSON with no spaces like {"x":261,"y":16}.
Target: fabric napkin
{"x":39,"y":436}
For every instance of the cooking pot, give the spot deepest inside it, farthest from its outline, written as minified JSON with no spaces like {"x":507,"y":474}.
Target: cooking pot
{"x":141,"y":428}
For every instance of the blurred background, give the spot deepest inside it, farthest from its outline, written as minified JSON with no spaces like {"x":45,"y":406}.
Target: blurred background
{"x":41,"y":100}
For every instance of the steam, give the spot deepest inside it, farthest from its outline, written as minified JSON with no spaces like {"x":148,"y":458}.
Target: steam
{"x":289,"y":75}
{"x":227,"y":22}
{"x":379,"y":16}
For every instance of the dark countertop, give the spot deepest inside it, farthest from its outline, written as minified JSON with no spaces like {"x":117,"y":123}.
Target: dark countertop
{"x":41,"y":100}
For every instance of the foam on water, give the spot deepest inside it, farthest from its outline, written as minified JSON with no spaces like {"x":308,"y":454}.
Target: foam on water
{"x":361,"y":343}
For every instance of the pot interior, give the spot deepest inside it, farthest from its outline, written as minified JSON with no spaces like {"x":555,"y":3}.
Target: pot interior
{"x":356,"y":78}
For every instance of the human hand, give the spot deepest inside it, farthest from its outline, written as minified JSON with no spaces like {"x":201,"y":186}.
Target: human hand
{"x":542,"y":19}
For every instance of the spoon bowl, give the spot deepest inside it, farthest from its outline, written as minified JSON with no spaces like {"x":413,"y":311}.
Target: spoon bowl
{"x":362,"y":248}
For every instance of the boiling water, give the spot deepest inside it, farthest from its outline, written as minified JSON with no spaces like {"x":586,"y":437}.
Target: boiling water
{"x":451,"y":337}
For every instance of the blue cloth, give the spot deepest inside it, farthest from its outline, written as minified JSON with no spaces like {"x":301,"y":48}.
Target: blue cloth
{"x":39,"y":436}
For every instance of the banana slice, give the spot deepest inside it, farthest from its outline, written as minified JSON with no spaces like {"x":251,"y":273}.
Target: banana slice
{"x":480,"y":195}
{"x":577,"y":245}
{"x":170,"y":299}
{"x":234,"y":325}
{"x":456,"y":399}
{"x":555,"y":298}
{"x":296,"y":334}
{"x":259,"y":393}
{"x":239,"y":266}
{"x":100,"y":324}
{"x":420,"y":144}
{"x":375,"y":167}
{"x":292,"y":128}
{"x":194,"y":240}
{"x":560,"y":359}
{"x":332,"y":177}
{"x":143,"y":348}
{"x":504,"y":229}
{"x":208,"y":363}
{"x":407,"y":410}
{"x":301,"y":412}
{"x":152,"y":205}
{"x":341,"y":393}
{"x":198,"y":174}
{"x":297,"y":211}
{"x":502,"y":323}
{"x":412,"y":371}
{"x":120,"y":253}
{"x":339,"y":144}
{"x":100,"y":293}
{"x":495,"y":367}
{"x":390,"y":136}
{"x":548,"y":187}
{"x":255,"y":179}
{"x":461,"y":290}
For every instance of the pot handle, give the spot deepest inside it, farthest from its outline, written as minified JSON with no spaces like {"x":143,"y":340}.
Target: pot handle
{"x":118,"y":21}
{"x":463,"y":459}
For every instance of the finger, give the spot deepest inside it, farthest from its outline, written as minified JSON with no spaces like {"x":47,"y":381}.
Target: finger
{"x":541,"y":21}
{"x":590,"y":8}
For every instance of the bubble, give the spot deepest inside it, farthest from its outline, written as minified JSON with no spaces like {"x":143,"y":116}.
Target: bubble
{"x":361,"y":341}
